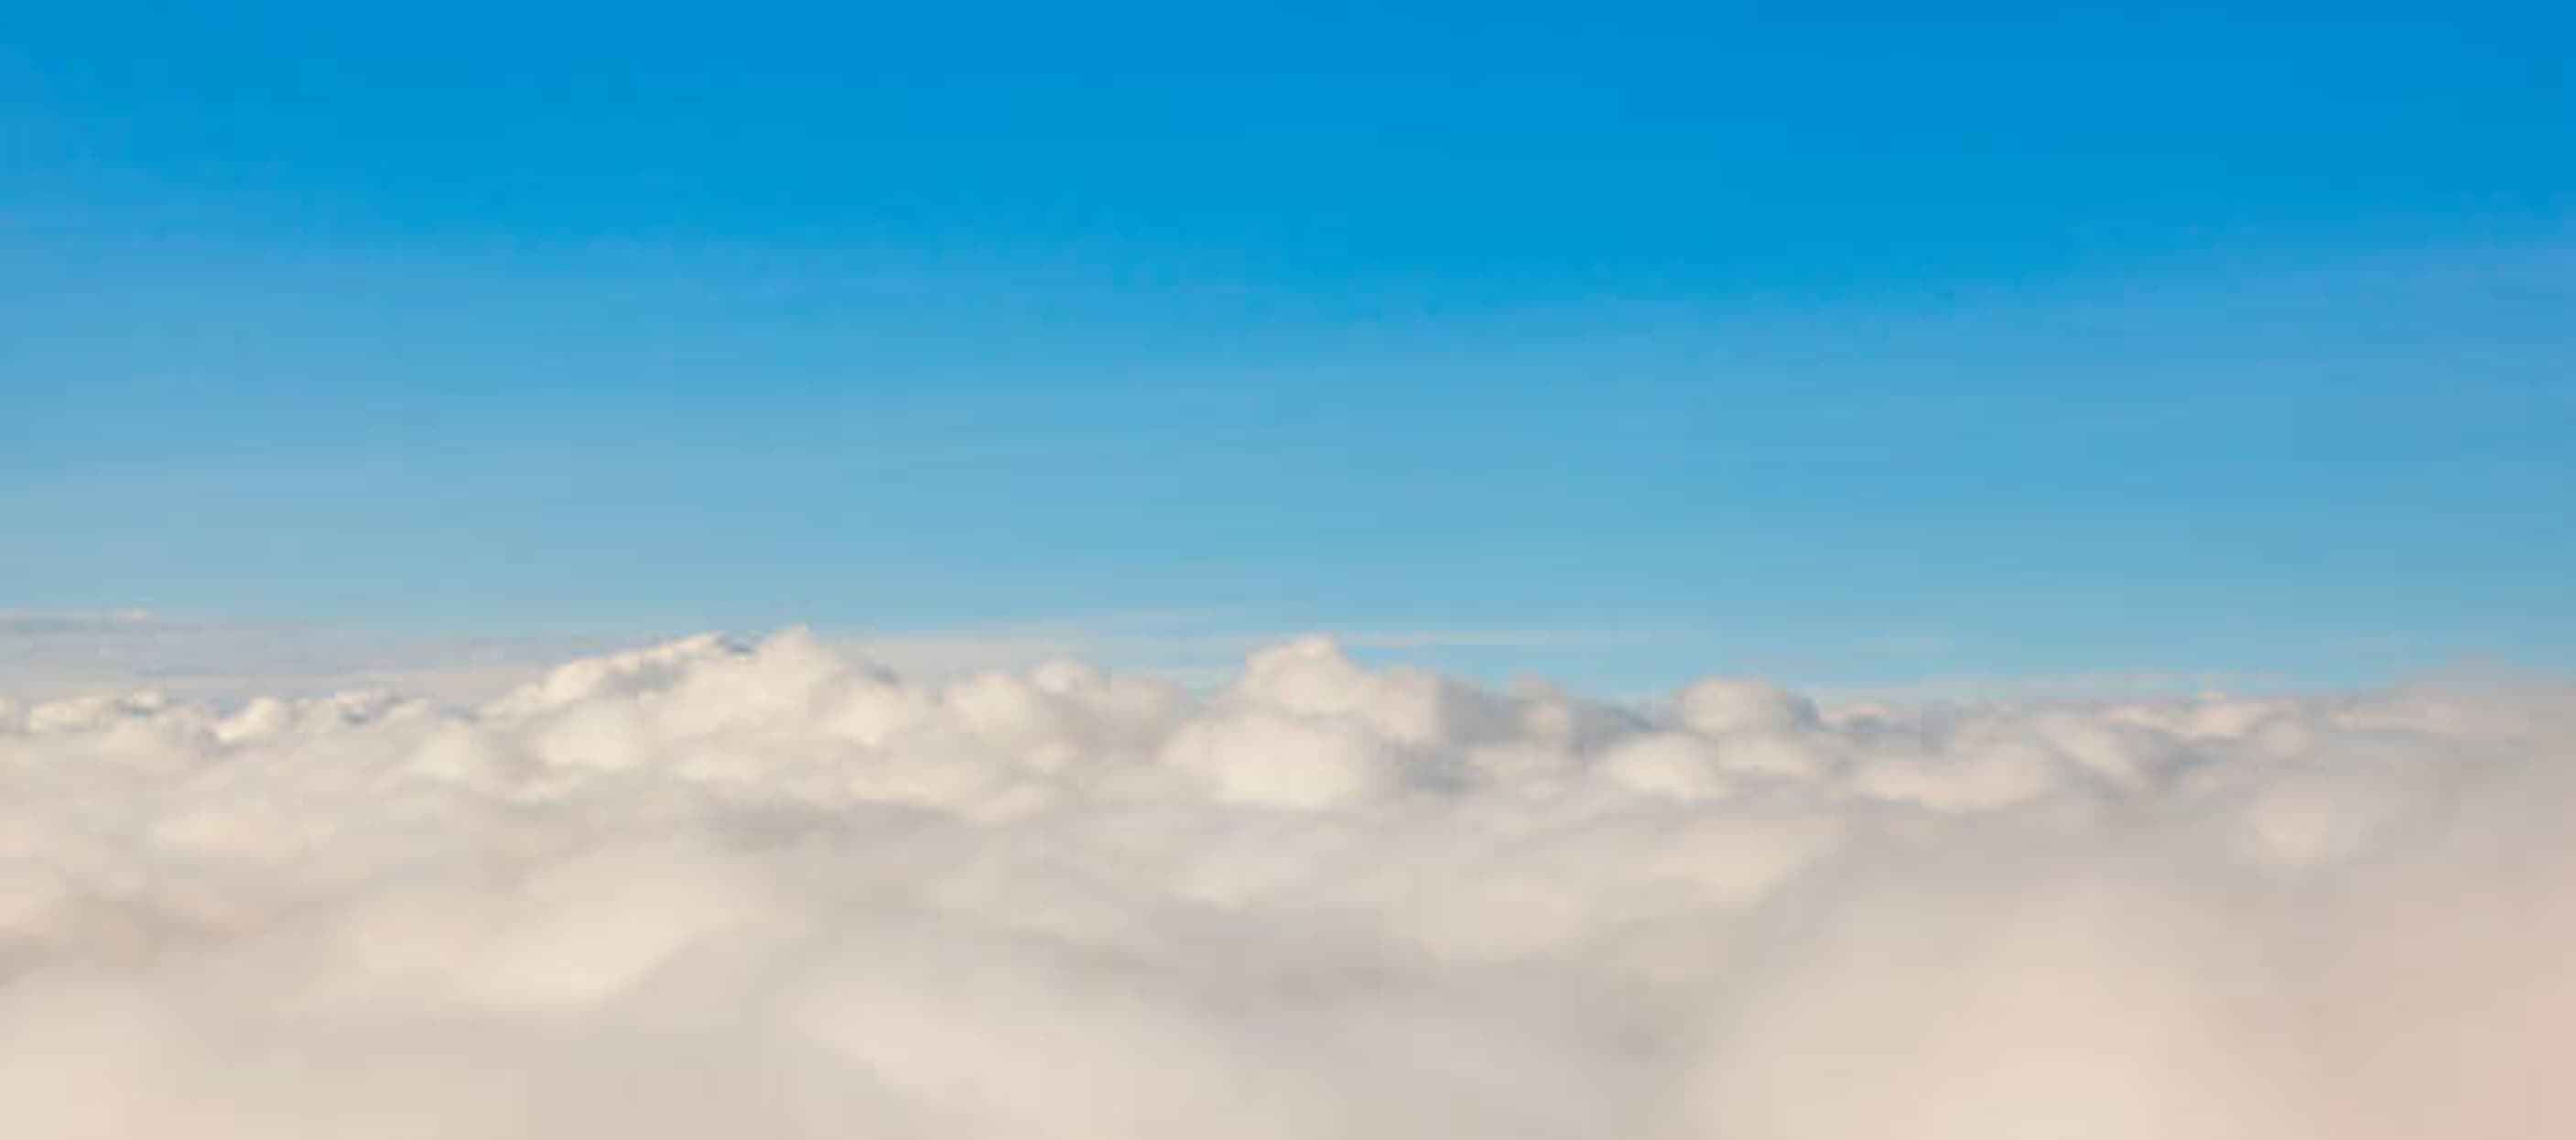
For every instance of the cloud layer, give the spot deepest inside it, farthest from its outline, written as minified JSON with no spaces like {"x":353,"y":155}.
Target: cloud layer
{"x":710,"y":889}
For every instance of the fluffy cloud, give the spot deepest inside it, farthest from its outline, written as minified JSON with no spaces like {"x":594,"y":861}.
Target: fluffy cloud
{"x":769,"y":891}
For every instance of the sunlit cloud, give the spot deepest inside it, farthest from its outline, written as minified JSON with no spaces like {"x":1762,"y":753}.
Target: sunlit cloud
{"x":779,"y":889}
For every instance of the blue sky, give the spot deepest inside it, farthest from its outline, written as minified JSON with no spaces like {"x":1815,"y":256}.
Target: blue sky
{"x":1622,"y":343}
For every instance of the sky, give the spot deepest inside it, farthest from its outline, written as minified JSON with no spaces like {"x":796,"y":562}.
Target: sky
{"x":1625,"y":343}
{"x":1313,"y":571}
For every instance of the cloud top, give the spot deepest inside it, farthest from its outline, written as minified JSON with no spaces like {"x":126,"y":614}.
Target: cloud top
{"x":768,"y":890}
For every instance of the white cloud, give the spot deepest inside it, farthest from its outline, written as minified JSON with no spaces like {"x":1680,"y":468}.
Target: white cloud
{"x":771,"y":890}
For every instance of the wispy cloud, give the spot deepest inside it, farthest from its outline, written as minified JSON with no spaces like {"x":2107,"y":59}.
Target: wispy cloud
{"x":49,"y":654}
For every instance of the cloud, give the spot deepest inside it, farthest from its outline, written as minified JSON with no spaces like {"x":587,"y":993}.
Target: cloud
{"x":776,"y":890}
{"x":52,"y":653}
{"x":49,"y":654}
